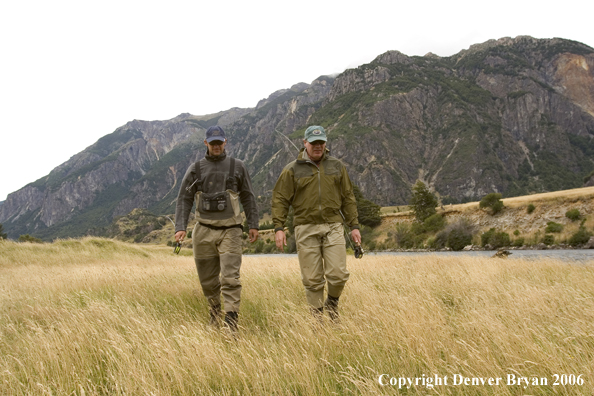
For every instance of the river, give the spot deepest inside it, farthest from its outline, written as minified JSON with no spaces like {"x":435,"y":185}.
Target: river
{"x":569,"y":255}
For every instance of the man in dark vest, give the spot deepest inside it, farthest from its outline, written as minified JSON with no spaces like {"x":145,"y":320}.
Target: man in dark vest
{"x":217,"y":183}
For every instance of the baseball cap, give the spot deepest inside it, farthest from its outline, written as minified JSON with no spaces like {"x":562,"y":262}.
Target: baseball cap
{"x":215,"y":133}
{"x":315,"y":132}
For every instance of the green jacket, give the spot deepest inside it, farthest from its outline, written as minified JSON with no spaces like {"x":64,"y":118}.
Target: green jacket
{"x":317,"y":195}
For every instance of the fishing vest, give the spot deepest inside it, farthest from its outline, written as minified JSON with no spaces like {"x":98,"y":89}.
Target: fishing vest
{"x":218,"y":209}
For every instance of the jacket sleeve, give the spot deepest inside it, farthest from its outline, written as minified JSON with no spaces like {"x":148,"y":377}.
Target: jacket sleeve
{"x":282,"y":196}
{"x":185,"y":201}
{"x":248,"y":198}
{"x":349,"y":203}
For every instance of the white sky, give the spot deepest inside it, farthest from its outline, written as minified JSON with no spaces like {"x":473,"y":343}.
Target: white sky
{"x":74,"y":71}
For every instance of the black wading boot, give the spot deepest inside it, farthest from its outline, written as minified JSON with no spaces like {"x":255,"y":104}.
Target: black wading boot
{"x":231,"y":321}
{"x":215,"y":316}
{"x":331,"y":304}
{"x":318,"y":314}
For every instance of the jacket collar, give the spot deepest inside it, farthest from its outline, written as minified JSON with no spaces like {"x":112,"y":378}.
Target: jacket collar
{"x":216,"y":158}
{"x":303,"y":157}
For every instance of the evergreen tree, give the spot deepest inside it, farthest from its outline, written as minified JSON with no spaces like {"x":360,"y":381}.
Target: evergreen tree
{"x":3,"y":235}
{"x":423,"y":201}
{"x":369,"y":212}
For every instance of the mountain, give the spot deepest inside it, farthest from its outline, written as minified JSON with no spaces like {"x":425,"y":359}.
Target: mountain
{"x":514,"y":116}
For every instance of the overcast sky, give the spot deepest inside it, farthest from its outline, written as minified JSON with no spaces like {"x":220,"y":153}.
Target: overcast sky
{"x":74,"y":71}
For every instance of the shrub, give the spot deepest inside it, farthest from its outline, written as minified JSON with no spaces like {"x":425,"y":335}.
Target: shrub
{"x":440,"y":240}
{"x":458,"y":239}
{"x":530,"y":208}
{"x":495,"y":239}
{"x":518,"y":242}
{"x":548,"y":239}
{"x":486,"y":236}
{"x":29,"y":238}
{"x":493,"y":202}
{"x":580,"y":237}
{"x":553,"y":227}
{"x":516,"y":232}
{"x":500,"y":239}
{"x":573,"y":214}
{"x":434,"y":223}
{"x":404,"y":236}
{"x":455,"y":236}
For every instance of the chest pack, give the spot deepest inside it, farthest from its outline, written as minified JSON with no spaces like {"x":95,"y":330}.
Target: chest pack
{"x":220,"y":208}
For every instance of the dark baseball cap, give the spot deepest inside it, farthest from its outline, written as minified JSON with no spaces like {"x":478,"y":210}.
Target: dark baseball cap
{"x":215,"y":133}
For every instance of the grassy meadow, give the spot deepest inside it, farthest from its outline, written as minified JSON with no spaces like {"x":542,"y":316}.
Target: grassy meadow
{"x":100,"y":317}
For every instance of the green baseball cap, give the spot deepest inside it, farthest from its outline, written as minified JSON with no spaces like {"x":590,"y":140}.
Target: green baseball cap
{"x":315,"y":132}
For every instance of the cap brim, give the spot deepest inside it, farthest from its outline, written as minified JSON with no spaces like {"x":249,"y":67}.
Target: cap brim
{"x":315,"y":138}
{"x":220,"y":139}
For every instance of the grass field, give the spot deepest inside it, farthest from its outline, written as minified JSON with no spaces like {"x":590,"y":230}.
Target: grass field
{"x":99,"y":317}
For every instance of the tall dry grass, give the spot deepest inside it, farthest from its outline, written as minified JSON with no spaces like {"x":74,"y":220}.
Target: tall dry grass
{"x":97,"y":317}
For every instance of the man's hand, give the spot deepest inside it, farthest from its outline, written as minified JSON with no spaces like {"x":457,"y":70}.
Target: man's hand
{"x":356,"y":235}
{"x":253,"y":235}
{"x":281,"y":240}
{"x":179,"y":236}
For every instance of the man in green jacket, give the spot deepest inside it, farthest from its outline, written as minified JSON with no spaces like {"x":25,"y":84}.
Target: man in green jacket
{"x":320,"y":191}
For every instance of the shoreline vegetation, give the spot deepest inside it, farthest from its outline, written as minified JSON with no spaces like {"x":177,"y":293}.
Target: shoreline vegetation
{"x":96,"y":316}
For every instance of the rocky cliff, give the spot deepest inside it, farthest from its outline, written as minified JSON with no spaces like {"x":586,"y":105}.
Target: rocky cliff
{"x":514,"y":116}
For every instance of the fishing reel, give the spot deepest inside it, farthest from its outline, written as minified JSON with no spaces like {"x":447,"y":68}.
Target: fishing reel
{"x":359,"y":251}
{"x":177,"y":248}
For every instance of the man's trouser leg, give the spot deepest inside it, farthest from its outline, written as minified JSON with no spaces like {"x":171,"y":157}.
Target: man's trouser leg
{"x":321,"y":252}
{"x":334,"y":252}
{"x":230,"y":258}
{"x":217,"y":254}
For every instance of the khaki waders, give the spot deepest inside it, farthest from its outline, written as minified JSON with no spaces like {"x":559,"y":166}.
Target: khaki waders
{"x":322,"y":257}
{"x":217,"y":254}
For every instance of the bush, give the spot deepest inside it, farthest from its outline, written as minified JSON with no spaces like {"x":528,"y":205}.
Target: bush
{"x":493,"y":202}
{"x":434,"y":223}
{"x":29,"y":238}
{"x":458,"y":239}
{"x":553,"y":227}
{"x":486,"y":236}
{"x":518,"y":242}
{"x":580,"y":237}
{"x":548,"y":239}
{"x":495,"y":239}
{"x":455,"y":236}
{"x":530,"y":208}
{"x":440,"y":241}
{"x":500,"y":239}
{"x":573,"y":214}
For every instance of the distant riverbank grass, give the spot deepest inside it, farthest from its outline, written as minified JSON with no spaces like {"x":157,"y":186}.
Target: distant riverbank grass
{"x":99,"y":317}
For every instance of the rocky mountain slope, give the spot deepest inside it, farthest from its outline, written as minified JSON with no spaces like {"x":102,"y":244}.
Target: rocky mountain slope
{"x":514,"y":116}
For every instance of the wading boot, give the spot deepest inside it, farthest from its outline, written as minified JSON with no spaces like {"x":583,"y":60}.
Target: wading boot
{"x":215,"y":316}
{"x":318,"y":314}
{"x":331,"y":304}
{"x":231,"y":321}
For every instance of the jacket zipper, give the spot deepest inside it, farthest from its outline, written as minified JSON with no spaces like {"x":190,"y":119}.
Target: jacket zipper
{"x":319,"y":187}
